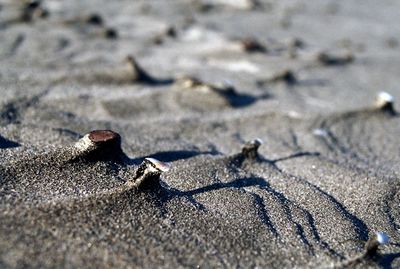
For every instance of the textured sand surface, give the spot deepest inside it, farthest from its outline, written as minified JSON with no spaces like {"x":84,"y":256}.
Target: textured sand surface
{"x":212,"y":76}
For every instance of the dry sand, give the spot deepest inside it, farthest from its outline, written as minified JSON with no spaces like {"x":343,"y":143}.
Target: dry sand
{"x":205,"y":77}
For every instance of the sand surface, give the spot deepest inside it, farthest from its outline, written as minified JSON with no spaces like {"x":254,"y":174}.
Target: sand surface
{"x":212,"y":75}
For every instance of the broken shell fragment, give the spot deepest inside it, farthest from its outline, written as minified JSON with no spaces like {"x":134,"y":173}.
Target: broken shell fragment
{"x":372,"y":245}
{"x":370,"y":250}
{"x":100,"y":145}
{"x":382,"y":238}
{"x":385,"y":102}
{"x":148,"y":174}
{"x":156,"y":165}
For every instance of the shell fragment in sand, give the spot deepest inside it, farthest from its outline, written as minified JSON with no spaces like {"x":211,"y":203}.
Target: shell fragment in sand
{"x":383,"y":99}
{"x":158,"y":165}
{"x":382,"y":238}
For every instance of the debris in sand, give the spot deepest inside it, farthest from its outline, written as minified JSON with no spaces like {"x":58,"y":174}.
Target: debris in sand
{"x":127,"y":72}
{"x":95,"y":19}
{"x":328,"y":59}
{"x":148,"y":174}
{"x":110,"y":33}
{"x":100,"y":145}
{"x":196,"y":84}
{"x":28,"y":12}
{"x":95,"y":24}
{"x":105,"y":145}
{"x":286,"y":76}
{"x":138,"y":74}
{"x":208,"y":5}
{"x":203,"y":7}
{"x":373,"y":244}
{"x":169,"y":32}
{"x":252,"y":45}
{"x":370,"y":250}
{"x":250,"y":148}
{"x":385,"y":102}
{"x":188,"y":82}
{"x":242,"y":4}
{"x":202,"y":96}
{"x":33,"y":10}
{"x":249,"y":153}
{"x":320,"y":132}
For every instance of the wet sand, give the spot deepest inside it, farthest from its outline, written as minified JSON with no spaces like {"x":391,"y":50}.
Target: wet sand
{"x":193,"y":84}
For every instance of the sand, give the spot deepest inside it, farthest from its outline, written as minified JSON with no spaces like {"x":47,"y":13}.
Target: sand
{"x":193,"y":84}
